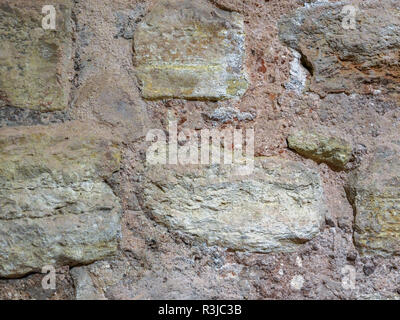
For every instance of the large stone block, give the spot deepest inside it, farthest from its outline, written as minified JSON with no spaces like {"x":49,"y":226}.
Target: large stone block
{"x":192,"y":50}
{"x":55,"y":208}
{"x":344,"y":54}
{"x":276,"y":208}
{"x":375,"y":193}
{"x":35,"y":64}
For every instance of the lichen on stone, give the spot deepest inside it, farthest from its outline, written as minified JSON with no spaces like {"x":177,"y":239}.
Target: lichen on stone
{"x":334,"y":151}
{"x":191,"y":50}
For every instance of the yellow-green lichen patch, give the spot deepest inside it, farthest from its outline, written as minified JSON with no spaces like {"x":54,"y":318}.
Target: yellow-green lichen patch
{"x":190,"y":50}
{"x":334,"y":151}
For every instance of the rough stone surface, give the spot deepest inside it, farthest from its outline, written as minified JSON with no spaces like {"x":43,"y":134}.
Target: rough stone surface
{"x":55,"y":208}
{"x":190,"y":49}
{"x":30,"y":287}
{"x":105,"y":85}
{"x":375,"y":193}
{"x":84,"y":287}
{"x":359,"y":60}
{"x":229,"y":114}
{"x":35,"y":64}
{"x":298,"y":74}
{"x":277,"y":207}
{"x":156,"y":262}
{"x":127,"y":20}
{"x":14,"y":116}
{"x":334,"y":151}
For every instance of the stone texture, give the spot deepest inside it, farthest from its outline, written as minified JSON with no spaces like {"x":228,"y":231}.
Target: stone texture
{"x":155,"y":262}
{"x":30,"y":287}
{"x":276,"y":208}
{"x":229,"y":115}
{"x":375,"y":193}
{"x":298,"y":74}
{"x":356,"y":60}
{"x":192,"y":50}
{"x":14,"y":116}
{"x":55,"y":208}
{"x":35,"y":64}
{"x":84,"y":287}
{"x":106,"y":87}
{"x":334,"y":151}
{"x":127,"y":20}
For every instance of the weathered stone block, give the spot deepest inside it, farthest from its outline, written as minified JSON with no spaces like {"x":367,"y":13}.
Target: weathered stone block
{"x":35,"y":64}
{"x":277,"y":207}
{"x":334,"y":151}
{"x":192,"y":50}
{"x":375,"y":193}
{"x":84,"y":287}
{"x":55,"y":208}
{"x":354,"y":58}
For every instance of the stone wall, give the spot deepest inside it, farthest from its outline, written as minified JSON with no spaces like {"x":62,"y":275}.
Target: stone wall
{"x":317,"y":215}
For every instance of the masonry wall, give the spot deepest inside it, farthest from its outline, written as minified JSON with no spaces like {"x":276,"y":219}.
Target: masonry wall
{"x":315,"y":217}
